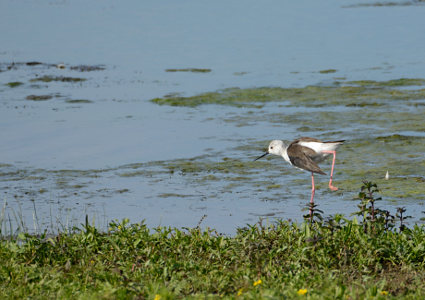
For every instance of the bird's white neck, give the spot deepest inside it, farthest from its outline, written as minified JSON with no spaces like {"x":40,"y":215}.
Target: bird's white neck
{"x":278,"y":147}
{"x":285,"y":156}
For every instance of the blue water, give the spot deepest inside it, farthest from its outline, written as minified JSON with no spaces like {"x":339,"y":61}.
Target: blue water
{"x":244,"y":43}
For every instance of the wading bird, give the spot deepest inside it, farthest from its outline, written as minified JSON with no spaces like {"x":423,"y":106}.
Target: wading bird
{"x":304,"y":153}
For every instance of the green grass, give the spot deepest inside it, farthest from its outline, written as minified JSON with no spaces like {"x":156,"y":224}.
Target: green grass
{"x":367,"y":258}
{"x":131,"y":261}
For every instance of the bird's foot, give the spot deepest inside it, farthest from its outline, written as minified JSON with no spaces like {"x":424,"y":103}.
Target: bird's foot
{"x":333,"y":188}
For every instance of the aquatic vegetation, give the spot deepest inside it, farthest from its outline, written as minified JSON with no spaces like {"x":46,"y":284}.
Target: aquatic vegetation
{"x":364,"y":104}
{"x":234,"y":166}
{"x":42,"y":65}
{"x":14,"y":84}
{"x":48,"y":78}
{"x":345,"y":93}
{"x":78,"y":101}
{"x":173,"y":195}
{"x":384,"y":4}
{"x":87,"y":68}
{"x":192,"y":70}
{"x":274,"y":186}
{"x":39,"y":97}
{"x":328,"y":71}
{"x":395,"y":82}
{"x":33,"y":63}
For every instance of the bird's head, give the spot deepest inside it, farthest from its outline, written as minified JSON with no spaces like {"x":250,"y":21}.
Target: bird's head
{"x":275,"y":147}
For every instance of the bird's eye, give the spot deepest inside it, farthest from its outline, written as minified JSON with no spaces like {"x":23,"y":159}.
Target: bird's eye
{"x":271,"y":147}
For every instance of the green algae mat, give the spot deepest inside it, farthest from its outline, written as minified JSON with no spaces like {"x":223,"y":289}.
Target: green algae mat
{"x":350,"y":93}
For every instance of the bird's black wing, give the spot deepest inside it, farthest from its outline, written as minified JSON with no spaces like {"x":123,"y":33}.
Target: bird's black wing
{"x":300,"y":157}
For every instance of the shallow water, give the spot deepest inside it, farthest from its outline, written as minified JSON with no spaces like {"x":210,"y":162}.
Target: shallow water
{"x":80,"y":134}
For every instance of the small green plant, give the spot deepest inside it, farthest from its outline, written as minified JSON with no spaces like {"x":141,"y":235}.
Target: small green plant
{"x":373,"y":218}
{"x":314,"y":215}
{"x":334,"y":223}
{"x":376,"y":219}
{"x":388,"y":220}
{"x":367,"y":197}
{"x":402,"y":218}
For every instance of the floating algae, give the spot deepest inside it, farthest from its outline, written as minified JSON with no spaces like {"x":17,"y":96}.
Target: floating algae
{"x":384,"y":4}
{"x":39,"y":97}
{"x":78,"y":101}
{"x":327,"y":71}
{"x":87,"y":68}
{"x":40,"y":65}
{"x":339,"y":93}
{"x":395,"y":82}
{"x":14,"y":84}
{"x":192,"y":70}
{"x":47,"y":78}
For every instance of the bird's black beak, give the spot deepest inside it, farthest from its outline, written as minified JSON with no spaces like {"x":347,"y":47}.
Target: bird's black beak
{"x":261,"y":156}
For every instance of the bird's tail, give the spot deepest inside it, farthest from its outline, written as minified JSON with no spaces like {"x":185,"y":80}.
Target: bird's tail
{"x":335,"y":142}
{"x":332,"y":145}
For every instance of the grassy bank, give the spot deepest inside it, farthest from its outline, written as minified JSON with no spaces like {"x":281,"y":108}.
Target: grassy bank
{"x":371,"y":256}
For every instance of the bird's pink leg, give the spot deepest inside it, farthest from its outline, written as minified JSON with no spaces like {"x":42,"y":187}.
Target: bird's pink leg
{"x":312,"y":194}
{"x":333,"y":188}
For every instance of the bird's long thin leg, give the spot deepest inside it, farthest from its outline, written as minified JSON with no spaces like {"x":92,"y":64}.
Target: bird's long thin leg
{"x":312,"y":195}
{"x":333,"y":188}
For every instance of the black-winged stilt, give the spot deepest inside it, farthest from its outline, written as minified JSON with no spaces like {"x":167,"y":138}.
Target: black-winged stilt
{"x":304,"y":153}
